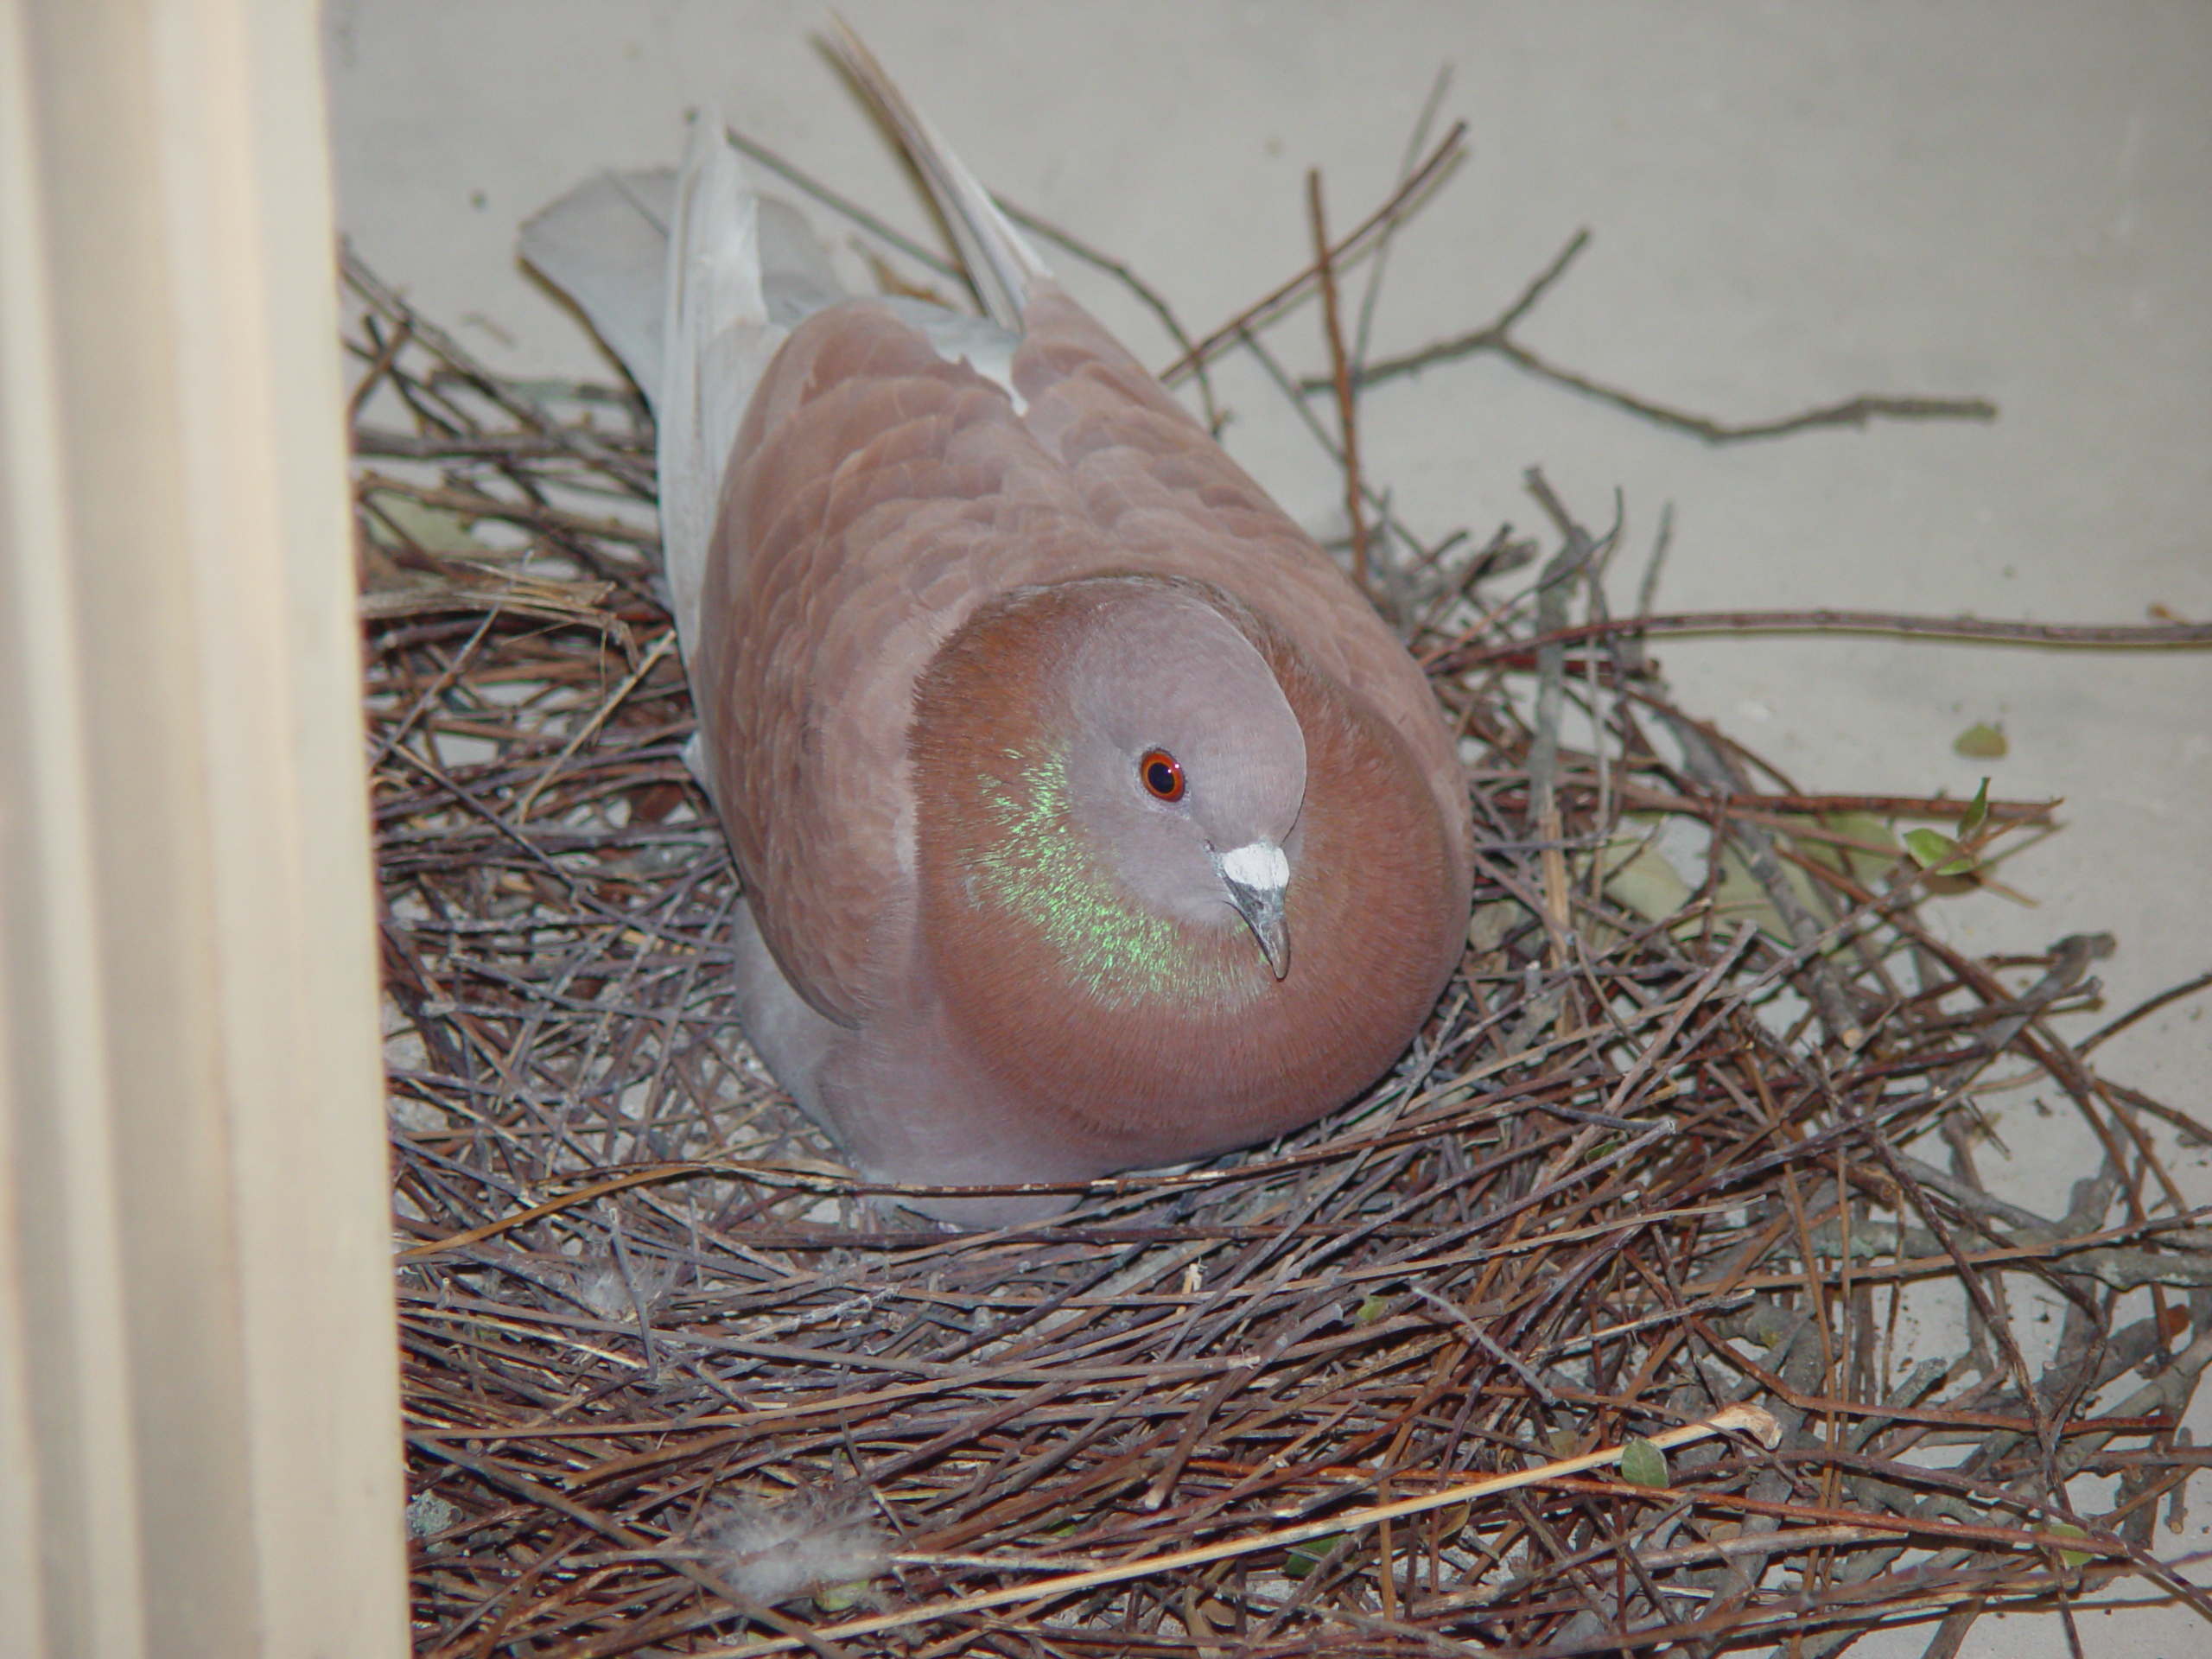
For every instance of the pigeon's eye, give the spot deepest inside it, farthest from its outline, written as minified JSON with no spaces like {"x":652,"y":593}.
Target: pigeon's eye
{"x":1162,"y":773}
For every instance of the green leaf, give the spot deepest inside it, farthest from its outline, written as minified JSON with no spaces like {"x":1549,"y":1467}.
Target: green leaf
{"x":1738,"y":897}
{"x":1643,"y":1465}
{"x":1639,"y":876}
{"x":1980,"y":742}
{"x":1977,"y":813}
{"x":1929,"y":848}
{"x":2072,"y":1557}
{"x":1863,"y":826}
{"x":1859,"y":826}
{"x":1304,"y":1557}
{"x":396,"y":519}
{"x":1937,"y":853}
{"x":1877,"y":843}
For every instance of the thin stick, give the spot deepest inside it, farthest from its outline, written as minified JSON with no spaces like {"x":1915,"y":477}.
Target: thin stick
{"x":1347,"y":422}
{"x":1265,"y":310}
{"x":659,"y":649}
{"x":1496,"y":337}
{"x":2078,"y":636}
{"x":2141,"y":1010}
{"x":1742,"y":1419}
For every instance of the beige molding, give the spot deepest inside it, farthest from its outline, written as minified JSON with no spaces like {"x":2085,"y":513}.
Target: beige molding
{"x":199,"y":1413}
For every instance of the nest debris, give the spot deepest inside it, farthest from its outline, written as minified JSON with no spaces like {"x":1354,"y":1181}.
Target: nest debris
{"x":1589,"y":1329}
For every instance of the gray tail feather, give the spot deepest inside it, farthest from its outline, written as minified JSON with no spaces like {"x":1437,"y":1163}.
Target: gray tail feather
{"x":692,"y":280}
{"x":605,"y":245}
{"x":1001,"y":264}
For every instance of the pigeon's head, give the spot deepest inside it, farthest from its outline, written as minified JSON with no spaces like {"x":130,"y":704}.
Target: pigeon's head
{"x":1186,"y":765}
{"x":1113,"y":769}
{"x":1174,"y":887}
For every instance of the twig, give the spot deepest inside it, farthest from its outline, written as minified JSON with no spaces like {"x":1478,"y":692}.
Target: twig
{"x":2082,"y":636}
{"x":1347,"y":421}
{"x":1401,"y":201}
{"x":1554,"y":588}
{"x":1496,"y":337}
{"x":659,"y":648}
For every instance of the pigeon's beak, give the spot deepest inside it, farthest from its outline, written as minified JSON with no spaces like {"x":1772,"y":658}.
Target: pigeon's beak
{"x":1257,"y":875}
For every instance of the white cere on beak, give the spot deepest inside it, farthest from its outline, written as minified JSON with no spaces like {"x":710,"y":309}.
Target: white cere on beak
{"x":1258,"y":864}
{"x":1256,"y":877}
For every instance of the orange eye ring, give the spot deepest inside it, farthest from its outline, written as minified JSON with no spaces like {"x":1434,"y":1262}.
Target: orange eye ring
{"x":1161,"y":773}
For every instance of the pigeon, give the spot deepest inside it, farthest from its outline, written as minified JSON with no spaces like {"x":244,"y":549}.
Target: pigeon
{"x":1087,"y":817}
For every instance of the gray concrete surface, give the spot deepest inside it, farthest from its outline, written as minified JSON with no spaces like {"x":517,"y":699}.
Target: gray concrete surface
{"x":1791,"y":202}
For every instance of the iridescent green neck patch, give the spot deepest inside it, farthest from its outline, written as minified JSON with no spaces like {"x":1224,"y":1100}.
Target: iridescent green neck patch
{"x":1039,"y":872}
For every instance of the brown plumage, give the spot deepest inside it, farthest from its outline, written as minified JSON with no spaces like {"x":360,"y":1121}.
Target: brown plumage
{"x":1089,"y":818}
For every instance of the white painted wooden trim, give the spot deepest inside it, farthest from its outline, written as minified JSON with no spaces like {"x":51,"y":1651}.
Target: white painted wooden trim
{"x":199,"y":1415}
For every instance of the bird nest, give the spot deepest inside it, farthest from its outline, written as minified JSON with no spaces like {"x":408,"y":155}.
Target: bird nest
{"x":1603,"y":1321}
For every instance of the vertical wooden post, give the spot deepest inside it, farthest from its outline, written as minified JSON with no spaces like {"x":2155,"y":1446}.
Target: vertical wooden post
{"x":199,"y":1419}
